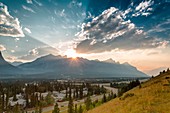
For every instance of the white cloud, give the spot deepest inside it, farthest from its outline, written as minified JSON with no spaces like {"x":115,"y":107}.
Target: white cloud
{"x":109,"y":31}
{"x":2,"y":48}
{"x":29,"y":1}
{"x":28,"y":9}
{"x":62,"y":13}
{"x":144,"y":5}
{"x":9,"y":26}
{"x":74,"y":3}
{"x":27,"y":30}
{"x":143,"y":8}
{"x":33,"y":52}
{"x":38,"y":3}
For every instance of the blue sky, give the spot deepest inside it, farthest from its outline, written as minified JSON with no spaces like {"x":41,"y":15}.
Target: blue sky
{"x":32,"y":28}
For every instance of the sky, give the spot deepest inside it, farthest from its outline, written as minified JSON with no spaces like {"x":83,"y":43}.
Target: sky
{"x":133,"y":31}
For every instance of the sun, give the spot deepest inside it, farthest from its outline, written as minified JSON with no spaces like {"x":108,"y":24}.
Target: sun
{"x":71,"y":53}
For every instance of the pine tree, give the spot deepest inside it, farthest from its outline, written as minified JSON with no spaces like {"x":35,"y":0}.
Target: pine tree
{"x":80,"y":109}
{"x":1,"y":104}
{"x":75,"y":109}
{"x":88,"y":103}
{"x":7,"y":99}
{"x":70,"y":106}
{"x":16,"y":108}
{"x":104,"y":99}
{"x":56,"y":109}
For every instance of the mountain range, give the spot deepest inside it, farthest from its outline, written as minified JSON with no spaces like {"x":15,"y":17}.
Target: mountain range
{"x":51,"y":66}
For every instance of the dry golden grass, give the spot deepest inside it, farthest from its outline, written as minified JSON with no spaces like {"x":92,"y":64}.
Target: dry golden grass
{"x":152,"y":97}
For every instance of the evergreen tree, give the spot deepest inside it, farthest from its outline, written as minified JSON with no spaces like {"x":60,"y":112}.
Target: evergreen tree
{"x":70,"y":106}
{"x":49,"y":99}
{"x":75,"y":109}
{"x":16,"y":108}
{"x":80,"y":109}
{"x":81,"y":92}
{"x":7,"y":99}
{"x":56,"y":109}
{"x":3,"y":101}
{"x":40,"y":108}
{"x":104,"y":99}
{"x":1,"y":104}
{"x":88,"y":103}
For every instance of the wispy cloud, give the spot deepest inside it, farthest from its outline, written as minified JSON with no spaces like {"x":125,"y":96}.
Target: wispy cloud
{"x":74,"y":3}
{"x":38,"y":3}
{"x":144,"y":8}
{"x":62,"y":13}
{"x":27,"y":30}
{"x":37,"y":52}
{"x":9,"y":26}
{"x":29,"y":1}
{"x":28,"y":9}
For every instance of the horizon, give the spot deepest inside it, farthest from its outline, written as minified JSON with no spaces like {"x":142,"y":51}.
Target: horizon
{"x":136,"y":32}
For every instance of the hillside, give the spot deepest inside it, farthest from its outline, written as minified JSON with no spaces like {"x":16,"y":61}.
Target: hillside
{"x":6,"y":68}
{"x":152,"y":97}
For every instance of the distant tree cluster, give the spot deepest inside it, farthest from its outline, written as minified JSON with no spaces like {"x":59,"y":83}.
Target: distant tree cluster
{"x":165,"y":71}
{"x":32,"y":93}
{"x":128,"y":87}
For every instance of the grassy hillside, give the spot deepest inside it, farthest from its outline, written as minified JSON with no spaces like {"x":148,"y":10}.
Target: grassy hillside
{"x":152,"y":97}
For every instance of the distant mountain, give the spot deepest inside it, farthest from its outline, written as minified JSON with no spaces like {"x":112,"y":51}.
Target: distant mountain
{"x":156,"y":71}
{"x":6,"y":68}
{"x":110,"y":60}
{"x":57,"y":66}
{"x":16,"y":63}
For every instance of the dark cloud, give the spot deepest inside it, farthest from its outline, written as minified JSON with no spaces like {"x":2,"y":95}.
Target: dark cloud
{"x":9,"y":26}
{"x":109,"y":31}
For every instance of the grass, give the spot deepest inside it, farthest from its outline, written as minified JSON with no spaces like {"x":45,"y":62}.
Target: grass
{"x":152,"y":97}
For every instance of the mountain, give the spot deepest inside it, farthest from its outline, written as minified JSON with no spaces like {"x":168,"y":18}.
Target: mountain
{"x":156,"y":71}
{"x":16,"y":63}
{"x":6,"y":68}
{"x":151,"y":97}
{"x":57,"y":66}
{"x":110,"y":60}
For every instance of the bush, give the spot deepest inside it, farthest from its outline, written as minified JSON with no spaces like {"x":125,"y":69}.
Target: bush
{"x":127,"y":95}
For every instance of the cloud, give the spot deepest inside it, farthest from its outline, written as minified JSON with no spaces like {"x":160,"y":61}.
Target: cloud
{"x":28,"y":9}
{"x":74,"y":3}
{"x":11,"y":58}
{"x":37,"y":52}
{"x":110,"y":31}
{"x":9,"y":26}
{"x":144,"y":8}
{"x":27,"y":30}
{"x":29,"y":1}
{"x":62,"y":13}
{"x":2,"y":48}
{"x":38,"y":3}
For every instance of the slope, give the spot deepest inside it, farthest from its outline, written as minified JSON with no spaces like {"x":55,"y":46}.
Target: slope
{"x":152,"y":97}
{"x":6,"y":68}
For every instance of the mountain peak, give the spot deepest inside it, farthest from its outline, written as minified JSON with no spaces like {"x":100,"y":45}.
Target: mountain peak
{"x":50,"y":57}
{"x":1,"y":58}
{"x":110,"y":60}
{"x":1,"y":55}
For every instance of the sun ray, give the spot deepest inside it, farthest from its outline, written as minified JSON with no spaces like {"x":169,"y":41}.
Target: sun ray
{"x":71,"y":53}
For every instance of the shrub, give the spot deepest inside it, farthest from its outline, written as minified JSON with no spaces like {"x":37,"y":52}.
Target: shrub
{"x":127,"y":95}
